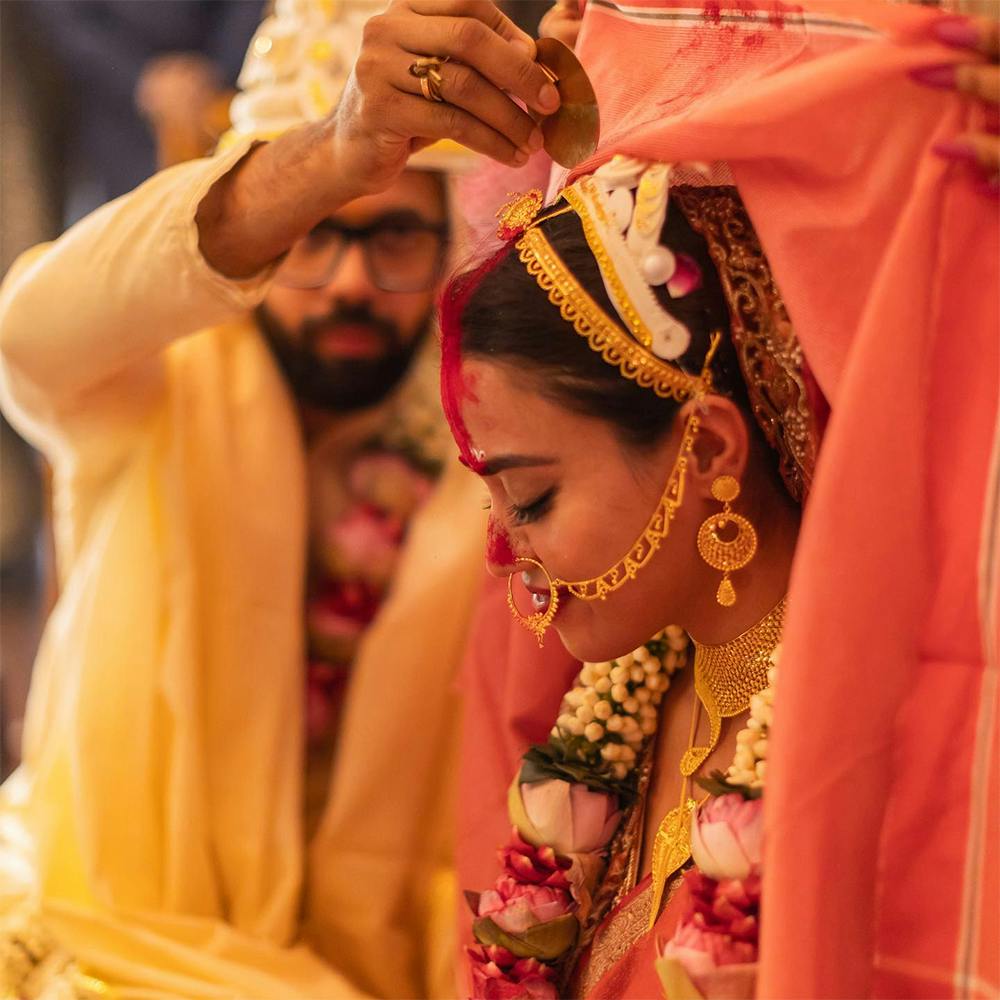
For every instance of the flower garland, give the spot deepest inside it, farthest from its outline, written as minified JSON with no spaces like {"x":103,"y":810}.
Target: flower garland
{"x":566,"y":805}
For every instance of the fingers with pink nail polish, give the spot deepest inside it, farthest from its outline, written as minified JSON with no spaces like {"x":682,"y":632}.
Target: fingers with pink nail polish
{"x":940,"y":77}
{"x":960,"y":32}
{"x":979,"y":79}
{"x":981,"y":34}
{"x":973,"y":147}
{"x":980,"y":153}
{"x":959,"y":152}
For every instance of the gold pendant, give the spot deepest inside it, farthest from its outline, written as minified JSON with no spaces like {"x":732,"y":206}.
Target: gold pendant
{"x":671,"y":850}
{"x":726,"y":594}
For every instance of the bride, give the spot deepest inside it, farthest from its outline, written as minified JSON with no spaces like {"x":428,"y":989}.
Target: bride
{"x":624,"y":377}
{"x":601,"y":395}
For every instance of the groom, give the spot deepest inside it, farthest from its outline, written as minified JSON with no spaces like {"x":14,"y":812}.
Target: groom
{"x":227,"y":370}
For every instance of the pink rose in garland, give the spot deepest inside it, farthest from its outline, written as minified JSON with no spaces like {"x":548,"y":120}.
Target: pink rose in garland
{"x":498,"y":974}
{"x":514,"y":906}
{"x":726,"y":835}
{"x":336,"y":615}
{"x":365,"y":543}
{"x":390,"y":482}
{"x":570,"y":818}
{"x":325,"y":688}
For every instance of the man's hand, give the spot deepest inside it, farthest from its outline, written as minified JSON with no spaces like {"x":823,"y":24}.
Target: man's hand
{"x":382,"y":116}
{"x":282,"y":189}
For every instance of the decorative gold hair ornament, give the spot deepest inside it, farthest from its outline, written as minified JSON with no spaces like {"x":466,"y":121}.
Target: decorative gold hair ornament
{"x":518,"y":212}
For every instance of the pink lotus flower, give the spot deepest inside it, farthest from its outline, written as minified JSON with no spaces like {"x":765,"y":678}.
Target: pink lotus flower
{"x":701,"y":952}
{"x":719,"y":931}
{"x":726,"y":834}
{"x":534,"y":865}
{"x":514,"y":906}
{"x":497,"y":974}
{"x":570,"y":817}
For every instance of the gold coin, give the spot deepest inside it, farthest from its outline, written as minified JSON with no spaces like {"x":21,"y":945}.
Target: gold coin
{"x":571,"y":134}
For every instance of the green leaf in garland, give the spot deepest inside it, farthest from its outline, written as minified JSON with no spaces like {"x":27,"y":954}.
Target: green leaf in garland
{"x":718,"y":784}
{"x":546,"y":942}
{"x":541,"y":763}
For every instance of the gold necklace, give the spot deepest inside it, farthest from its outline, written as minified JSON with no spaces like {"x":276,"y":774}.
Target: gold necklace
{"x":726,"y":677}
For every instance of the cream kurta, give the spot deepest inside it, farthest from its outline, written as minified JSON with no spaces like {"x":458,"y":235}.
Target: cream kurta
{"x":158,"y":808}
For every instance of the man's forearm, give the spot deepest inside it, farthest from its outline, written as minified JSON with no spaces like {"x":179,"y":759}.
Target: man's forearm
{"x":118,"y":288}
{"x":274,"y":196}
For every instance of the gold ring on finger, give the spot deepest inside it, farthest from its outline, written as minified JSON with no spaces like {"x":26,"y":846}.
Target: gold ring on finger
{"x":427,"y":69}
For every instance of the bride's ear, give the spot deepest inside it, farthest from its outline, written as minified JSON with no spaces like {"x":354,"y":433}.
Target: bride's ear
{"x":721,"y":446}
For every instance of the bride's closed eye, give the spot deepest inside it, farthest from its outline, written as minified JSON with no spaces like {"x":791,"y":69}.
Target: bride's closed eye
{"x":522,"y":514}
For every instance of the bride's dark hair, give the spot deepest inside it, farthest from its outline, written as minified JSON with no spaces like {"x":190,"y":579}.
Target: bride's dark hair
{"x":504,"y":316}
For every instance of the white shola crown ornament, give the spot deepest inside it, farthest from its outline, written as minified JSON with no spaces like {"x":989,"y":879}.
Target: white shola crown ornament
{"x":625,"y":204}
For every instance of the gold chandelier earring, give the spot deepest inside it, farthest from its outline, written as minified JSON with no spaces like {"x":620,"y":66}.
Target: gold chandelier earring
{"x":726,"y":554}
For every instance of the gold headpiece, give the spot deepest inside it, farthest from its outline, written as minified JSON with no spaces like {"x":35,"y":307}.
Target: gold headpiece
{"x":622,"y":228}
{"x":623,"y":233}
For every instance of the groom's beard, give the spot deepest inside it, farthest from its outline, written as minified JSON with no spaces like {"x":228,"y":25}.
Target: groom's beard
{"x":341,"y":385}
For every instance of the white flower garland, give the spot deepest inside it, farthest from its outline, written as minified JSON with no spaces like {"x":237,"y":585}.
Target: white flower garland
{"x":749,"y":767}
{"x":613,"y":705}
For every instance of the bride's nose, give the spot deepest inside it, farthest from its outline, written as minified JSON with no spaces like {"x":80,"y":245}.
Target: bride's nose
{"x":502,"y":554}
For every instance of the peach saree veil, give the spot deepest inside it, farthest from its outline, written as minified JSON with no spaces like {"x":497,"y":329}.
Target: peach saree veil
{"x":881,"y":865}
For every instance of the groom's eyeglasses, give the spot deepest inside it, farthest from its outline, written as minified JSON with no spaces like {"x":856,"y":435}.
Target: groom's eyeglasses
{"x":402,"y":253}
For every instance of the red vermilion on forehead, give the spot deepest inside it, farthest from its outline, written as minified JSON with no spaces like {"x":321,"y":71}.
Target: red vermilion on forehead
{"x":456,"y":387}
{"x":499,"y":550}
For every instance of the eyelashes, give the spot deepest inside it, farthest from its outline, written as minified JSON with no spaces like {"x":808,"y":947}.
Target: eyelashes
{"x":534,"y":511}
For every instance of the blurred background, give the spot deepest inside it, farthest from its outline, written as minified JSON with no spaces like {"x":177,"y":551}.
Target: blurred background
{"x":95,"y":95}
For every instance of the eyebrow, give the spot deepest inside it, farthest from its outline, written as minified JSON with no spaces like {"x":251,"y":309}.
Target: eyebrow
{"x":504,"y":462}
{"x":401,"y":217}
